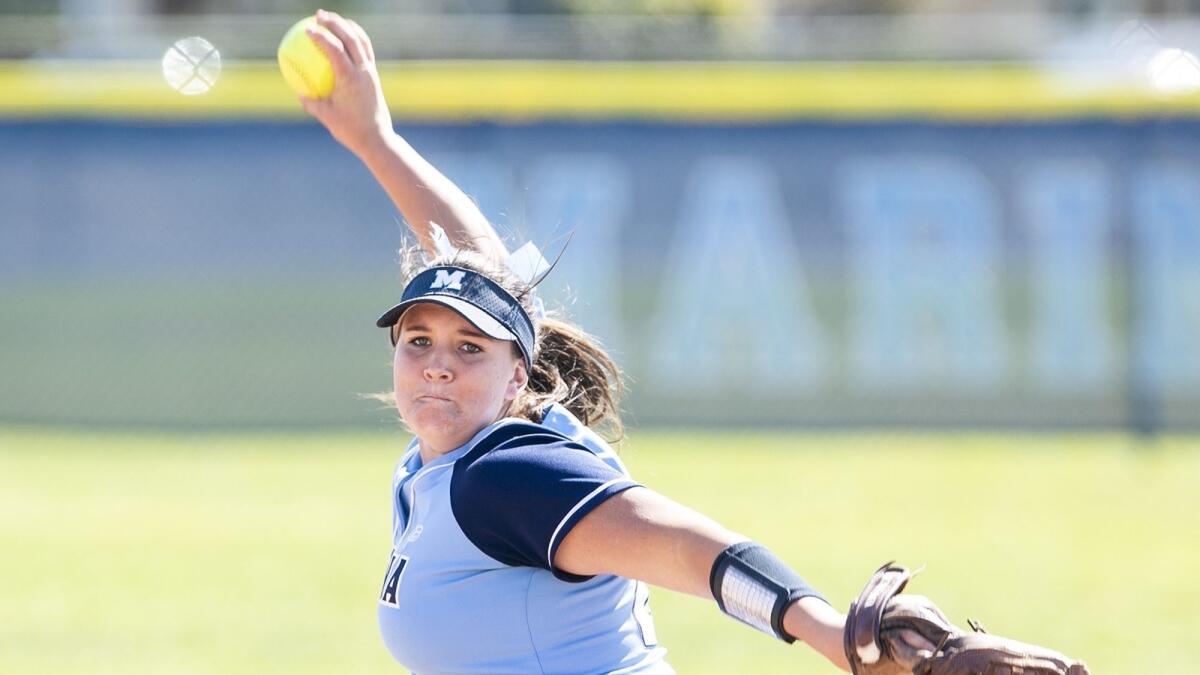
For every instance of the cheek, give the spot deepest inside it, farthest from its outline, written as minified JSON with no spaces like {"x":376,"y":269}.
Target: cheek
{"x":406,"y":373}
{"x":501,"y":385}
{"x":482,"y":390}
{"x":398,"y":370}
{"x":477,"y":387}
{"x":398,"y":366}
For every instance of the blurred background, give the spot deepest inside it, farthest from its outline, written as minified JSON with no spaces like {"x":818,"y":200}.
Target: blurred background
{"x":791,"y":213}
{"x":841,"y":249}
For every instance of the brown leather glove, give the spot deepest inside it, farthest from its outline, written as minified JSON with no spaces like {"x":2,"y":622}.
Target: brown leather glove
{"x":880,"y":617}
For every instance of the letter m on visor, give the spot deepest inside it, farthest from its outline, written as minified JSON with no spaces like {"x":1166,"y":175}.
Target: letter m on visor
{"x":448,"y":279}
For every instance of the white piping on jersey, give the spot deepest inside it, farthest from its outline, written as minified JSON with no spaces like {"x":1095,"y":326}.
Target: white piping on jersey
{"x":575,"y":508}
{"x":415,"y":446}
{"x":412,"y":500}
{"x":397,"y":475}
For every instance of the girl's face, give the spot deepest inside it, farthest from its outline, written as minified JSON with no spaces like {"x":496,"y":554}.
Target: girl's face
{"x":451,"y":380}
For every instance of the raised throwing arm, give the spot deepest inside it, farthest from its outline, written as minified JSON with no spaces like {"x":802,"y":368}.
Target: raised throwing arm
{"x":357,"y":115}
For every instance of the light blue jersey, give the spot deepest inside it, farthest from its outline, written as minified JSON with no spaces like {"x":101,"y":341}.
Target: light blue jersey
{"x":470,"y":587}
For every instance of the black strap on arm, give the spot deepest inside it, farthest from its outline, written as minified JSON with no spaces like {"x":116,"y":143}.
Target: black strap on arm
{"x":751,"y":584}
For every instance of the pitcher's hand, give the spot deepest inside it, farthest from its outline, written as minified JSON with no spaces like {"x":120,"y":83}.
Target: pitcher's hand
{"x":355,"y":113}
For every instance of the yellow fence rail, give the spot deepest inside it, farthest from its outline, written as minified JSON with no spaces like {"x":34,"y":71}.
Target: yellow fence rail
{"x":526,"y":90}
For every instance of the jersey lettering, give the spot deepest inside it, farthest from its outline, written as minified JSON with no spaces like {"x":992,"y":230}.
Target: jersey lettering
{"x":391,"y":580}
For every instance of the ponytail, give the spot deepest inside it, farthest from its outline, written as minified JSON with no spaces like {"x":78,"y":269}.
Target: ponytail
{"x":573,"y":370}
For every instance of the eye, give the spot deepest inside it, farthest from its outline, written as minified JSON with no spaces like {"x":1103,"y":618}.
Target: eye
{"x":471,"y":348}
{"x":420,"y":341}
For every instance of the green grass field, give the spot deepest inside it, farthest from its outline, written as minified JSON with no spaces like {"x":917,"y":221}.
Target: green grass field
{"x":264,"y":553}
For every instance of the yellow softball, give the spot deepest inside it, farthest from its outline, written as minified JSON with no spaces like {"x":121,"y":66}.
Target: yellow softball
{"x":305,"y":67}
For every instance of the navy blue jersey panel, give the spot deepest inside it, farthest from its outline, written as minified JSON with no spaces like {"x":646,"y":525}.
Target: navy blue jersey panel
{"x":517,"y":494}
{"x":521,"y":432}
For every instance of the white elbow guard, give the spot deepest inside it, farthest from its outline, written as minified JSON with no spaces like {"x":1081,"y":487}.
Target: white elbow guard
{"x":751,"y":584}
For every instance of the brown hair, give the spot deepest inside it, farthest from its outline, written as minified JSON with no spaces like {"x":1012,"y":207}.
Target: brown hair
{"x":569,"y":365}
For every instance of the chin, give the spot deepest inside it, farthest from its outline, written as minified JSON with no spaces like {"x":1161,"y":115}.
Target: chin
{"x":432,"y":423}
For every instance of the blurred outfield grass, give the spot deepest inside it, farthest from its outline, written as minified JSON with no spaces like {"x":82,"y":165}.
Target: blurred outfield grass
{"x":148,"y":553}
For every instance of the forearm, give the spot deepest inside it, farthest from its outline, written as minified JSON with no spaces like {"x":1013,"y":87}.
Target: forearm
{"x":425,"y":196}
{"x":357,"y":115}
{"x":809,"y":619}
{"x":813,"y":621}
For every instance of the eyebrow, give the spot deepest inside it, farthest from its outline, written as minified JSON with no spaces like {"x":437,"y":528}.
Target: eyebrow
{"x":461,"y":331}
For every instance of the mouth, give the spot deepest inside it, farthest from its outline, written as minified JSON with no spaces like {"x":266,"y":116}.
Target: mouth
{"x":432,"y":397}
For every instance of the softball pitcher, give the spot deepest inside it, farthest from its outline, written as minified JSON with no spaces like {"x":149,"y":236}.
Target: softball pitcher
{"x":520,"y":543}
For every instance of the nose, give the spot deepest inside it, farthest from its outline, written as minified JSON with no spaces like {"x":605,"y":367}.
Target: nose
{"x":436,"y":371}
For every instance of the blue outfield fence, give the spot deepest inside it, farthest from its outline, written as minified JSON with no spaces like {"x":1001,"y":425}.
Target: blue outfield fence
{"x":1035,"y":274}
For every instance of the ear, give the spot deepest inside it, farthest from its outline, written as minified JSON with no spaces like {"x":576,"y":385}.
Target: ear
{"x":519,"y":379}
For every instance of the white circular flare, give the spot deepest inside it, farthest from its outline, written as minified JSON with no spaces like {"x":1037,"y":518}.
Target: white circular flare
{"x":1173,"y":71}
{"x":191,"y":66}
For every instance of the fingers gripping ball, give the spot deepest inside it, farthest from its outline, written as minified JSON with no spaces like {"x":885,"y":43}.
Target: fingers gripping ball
{"x":305,"y":67}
